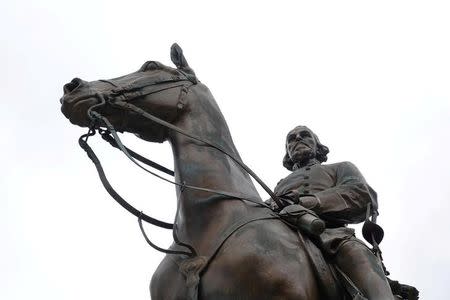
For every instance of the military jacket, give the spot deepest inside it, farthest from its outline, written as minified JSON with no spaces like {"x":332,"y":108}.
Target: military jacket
{"x":341,"y":190}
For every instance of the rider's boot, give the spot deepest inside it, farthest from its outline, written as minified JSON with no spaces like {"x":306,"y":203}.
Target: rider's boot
{"x":362,"y":267}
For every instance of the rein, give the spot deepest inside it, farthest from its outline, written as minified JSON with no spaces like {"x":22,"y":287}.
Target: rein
{"x":130,"y":92}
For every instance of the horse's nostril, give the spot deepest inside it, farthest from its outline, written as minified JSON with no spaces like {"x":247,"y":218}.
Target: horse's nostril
{"x":71,"y":86}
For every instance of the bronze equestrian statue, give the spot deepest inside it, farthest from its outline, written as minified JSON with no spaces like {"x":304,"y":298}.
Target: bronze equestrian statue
{"x":228,"y":243}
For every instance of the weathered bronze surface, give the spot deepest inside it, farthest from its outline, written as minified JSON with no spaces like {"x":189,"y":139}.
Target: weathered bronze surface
{"x":243,"y":249}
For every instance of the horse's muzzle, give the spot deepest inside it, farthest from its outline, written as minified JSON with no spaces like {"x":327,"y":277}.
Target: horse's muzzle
{"x":76,"y":100}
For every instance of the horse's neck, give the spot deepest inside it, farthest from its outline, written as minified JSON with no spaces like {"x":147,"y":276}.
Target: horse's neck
{"x":201,"y":215}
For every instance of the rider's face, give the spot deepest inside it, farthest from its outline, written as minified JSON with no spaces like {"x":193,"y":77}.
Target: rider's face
{"x":301,"y":144}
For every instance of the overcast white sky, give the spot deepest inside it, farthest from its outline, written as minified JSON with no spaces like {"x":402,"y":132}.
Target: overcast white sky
{"x":372,"y":80}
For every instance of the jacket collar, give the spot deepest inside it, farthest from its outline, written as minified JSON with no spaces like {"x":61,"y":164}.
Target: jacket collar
{"x":310,"y":163}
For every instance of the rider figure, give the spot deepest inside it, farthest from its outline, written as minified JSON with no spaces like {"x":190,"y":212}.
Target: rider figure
{"x":339,"y":195}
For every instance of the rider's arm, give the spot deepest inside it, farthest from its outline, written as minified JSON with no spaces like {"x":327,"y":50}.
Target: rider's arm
{"x":347,"y":201}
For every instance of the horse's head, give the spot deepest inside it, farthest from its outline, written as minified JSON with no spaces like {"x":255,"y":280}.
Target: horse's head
{"x":154,"y":87}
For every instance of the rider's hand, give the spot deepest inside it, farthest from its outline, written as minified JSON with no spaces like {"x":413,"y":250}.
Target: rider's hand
{"x":292,"y":195}
{"x":273,"y":204}
{"x":309,"y":202}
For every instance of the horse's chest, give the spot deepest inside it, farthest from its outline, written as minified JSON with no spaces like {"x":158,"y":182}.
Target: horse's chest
{"x":264,"y":261}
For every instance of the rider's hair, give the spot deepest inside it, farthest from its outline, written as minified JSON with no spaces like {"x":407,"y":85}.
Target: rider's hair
{"x":321,"y":154}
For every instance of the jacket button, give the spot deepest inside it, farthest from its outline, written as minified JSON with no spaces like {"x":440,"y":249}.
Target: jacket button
{"x":306,"y":184}
{"x":306,"y":177}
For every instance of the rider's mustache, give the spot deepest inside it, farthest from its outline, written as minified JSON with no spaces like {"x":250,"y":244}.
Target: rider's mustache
{"x":306,"y":145}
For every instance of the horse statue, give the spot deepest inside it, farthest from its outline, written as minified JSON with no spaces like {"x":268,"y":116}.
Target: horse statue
{"x":238,"y":248}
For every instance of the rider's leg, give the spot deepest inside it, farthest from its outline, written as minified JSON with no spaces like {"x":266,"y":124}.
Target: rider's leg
{"x":362,"y":267}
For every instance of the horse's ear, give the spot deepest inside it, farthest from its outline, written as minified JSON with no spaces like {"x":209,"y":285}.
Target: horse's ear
{"x":176,"y":54}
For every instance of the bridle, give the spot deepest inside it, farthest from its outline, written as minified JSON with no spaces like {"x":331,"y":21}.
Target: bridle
{"x":120,"y":97}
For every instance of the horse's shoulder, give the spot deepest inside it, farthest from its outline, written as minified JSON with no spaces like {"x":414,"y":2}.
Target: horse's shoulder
{"x":265,"y":258}
{"x":262,"y":260}
{"x":272,"y":234}
{"x":168,"y":272}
